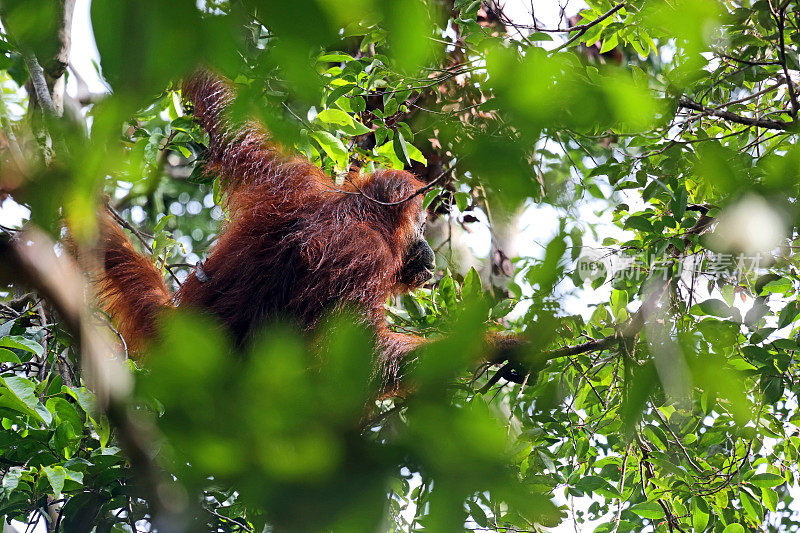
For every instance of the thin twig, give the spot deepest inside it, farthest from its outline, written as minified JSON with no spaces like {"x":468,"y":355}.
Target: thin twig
{"x":142,"y":238}
{"x":421,"y":190}
{"x":782,"y":48}
{"x":223,"y":519}
{"x":747,"y":61}
{"x":130,"y":227}
{"x":621,"y":488}
{"x":584,"y":27}
{"x":677,"y":440}
{"x":780,"y":82}
{"x":672,"y":521}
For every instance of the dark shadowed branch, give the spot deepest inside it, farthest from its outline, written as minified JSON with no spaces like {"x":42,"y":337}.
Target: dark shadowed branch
{"x":781,"y":20}
{"x":738,"y":119}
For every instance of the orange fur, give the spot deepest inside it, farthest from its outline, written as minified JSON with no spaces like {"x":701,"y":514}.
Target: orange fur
{"x":129,"y":287}
{"x":295,"y":245}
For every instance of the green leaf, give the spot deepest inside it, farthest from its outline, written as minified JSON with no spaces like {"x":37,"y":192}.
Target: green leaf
{"x":162,"y":223}
{"x":358,"y":104}
{"x":472,"y":287}
{"x":767,"y":480}
{"x":333,"y":147}
{"x":678,"y":203}
{"x":590,"y":484}
{"x":400,"y":149}
{"x":430,"y":196}
{"x":700,"y":515}
{"x":539,"y":36}
{"x":338,"y":92}
{"x":85,"y":398}
{"x":390,"y":108}
{"x":721,"y":498}
{"x":162,"y":237}
{"x":412,"y":307}
{"x":103,"y":429}
{"x":782,"y":286}
{"x":609,"y":43}
{"x":788,"y":314}
{"x":56,"y":476}
{"x":184,"y":124}
{"x":185,"y":152}
{"x":336,"y":117}
{"x":733,"y":528}
{"x":21,"y":343}
{"x":216,"y":190}
{"x":387,"y":150}
{"x":619,"y":301}
{"x":650,"y":510}
{"x":416,"y":155}
{"x":12,"y":478}
{"x":638,"y":222}
{"x":592,"y":35}
{"x":576,"y":236}
{"x":477,"y":514}
{"x":80,"y":511}
{"x":462,"y":200}
{"x":64,"y":440}
{"x":770,"y":499}
{"x":503,"y":308}
{"x":335,"y":58}
{"x":356,"y":128}
{"x":751,"y":506}
{"x":64,"y":411}
{"x":74,"y":475}
{"x":447,"y":292}
{"x":712,"y":307}
{"x":7,"y":356}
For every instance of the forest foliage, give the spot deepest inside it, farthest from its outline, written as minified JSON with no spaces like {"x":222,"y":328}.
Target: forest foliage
{"x":669,"y":404}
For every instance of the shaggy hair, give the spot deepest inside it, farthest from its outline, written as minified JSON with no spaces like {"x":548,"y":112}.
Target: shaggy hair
{"x":295,"y":244}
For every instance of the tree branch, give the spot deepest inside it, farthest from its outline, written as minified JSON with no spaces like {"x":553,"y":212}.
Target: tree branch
{"x":583,"y":28}
{"x":738,"y":119}
{"x":59,"y":63}
{"x":781,"y":19}
{"x":56,"y":67}
{"x":756,"y":94}
{"x":595,"y":345}
{"x":672,"y":521}
{"x":746,"y":61}
{"x":516,"y":368}
{"x":39,"y":83}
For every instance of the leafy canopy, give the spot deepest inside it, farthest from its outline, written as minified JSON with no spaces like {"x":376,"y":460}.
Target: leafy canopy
{"x":666,"y":401}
